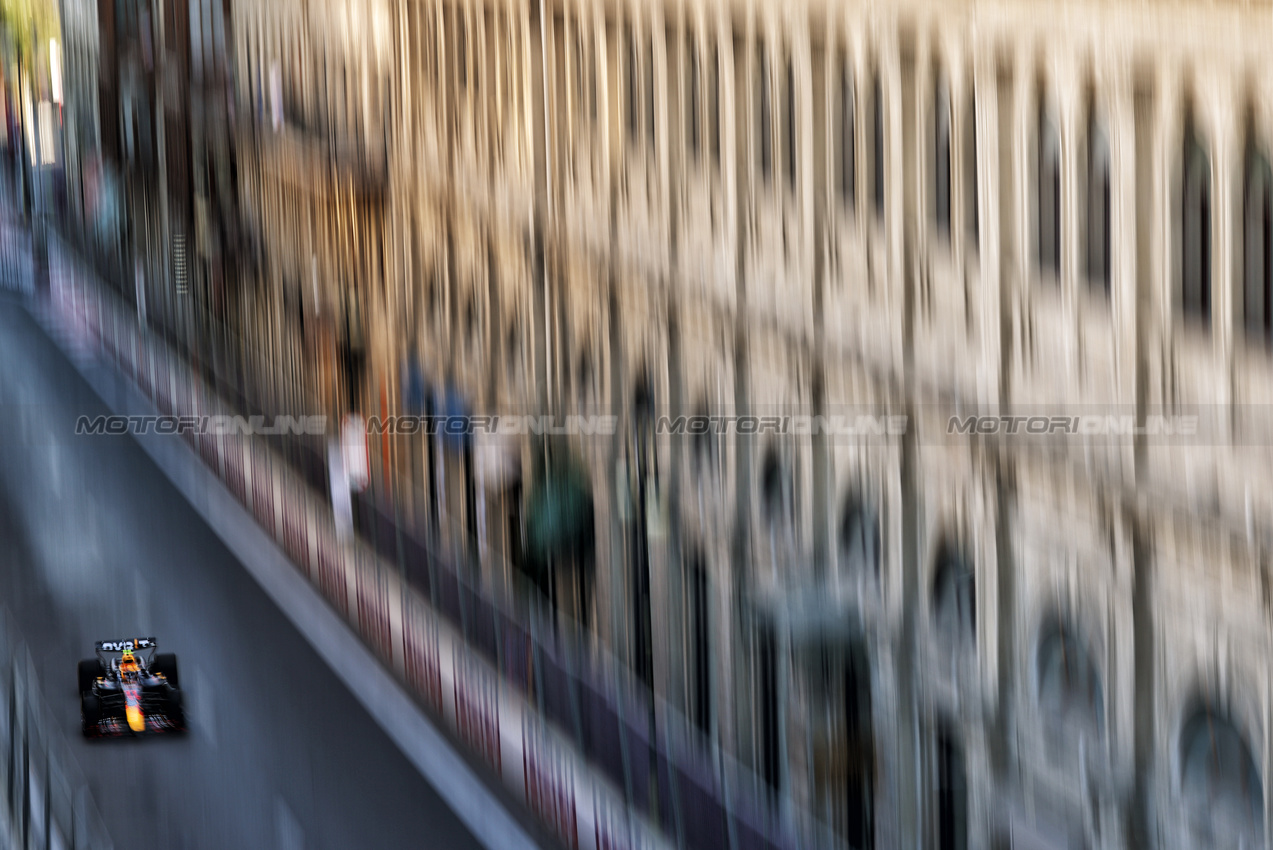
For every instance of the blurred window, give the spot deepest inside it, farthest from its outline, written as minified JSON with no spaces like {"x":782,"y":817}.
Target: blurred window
{"x":1257,"y":237}
{"x":848,"y":140}
{"x":692,"y":119}
{"x":475,"y":61}
{"x":941,"y":158}
{"x":716,"y":103}
{"x":954,"y":594}
{"x":513,"y":354}
{"x":634,"y":114}
{"x":582,"y":110}
{"x":1048,"y":195}
{"x":590,"y":45}
{"x":1223,"y":793}
{"x":860,"y":539}
{"x":1195,"y":243}
{"x":971,"y":193}
{"x":764,"y":120}
{"x":705,"y":445}
{"x":586,"y":379}
{"x":1069,"y":681}
{"x":473,"y":323}
{"x":652,"y":127}
{"x":793,"y":159}
{"x":777,"y":489}
{"x":877,"y":146}
{"x":1098,"y":207}
{"x":767,"y":697}
{"x":952,"y":794}
{"x":462,"y":52}
{"x":699,"y":684}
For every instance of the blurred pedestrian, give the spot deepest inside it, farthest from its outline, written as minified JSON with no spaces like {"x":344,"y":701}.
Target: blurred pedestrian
{"x":354,"y":440}
{"x":342,"y":501}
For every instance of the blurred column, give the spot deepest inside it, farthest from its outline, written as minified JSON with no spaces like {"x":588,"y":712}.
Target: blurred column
{"x":39,"y":235}
{"x":23,"y":143}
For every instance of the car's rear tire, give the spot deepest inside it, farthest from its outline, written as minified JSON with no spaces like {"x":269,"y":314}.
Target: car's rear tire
{"x":90,"y":714}
{"x":89,"y":670}
{"x":165,"y":664}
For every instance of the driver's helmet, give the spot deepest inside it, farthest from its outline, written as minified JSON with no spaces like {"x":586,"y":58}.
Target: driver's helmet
{"x":128,"y":662}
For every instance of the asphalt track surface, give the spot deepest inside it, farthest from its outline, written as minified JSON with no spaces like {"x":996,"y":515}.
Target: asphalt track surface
{"x":96,"y":543}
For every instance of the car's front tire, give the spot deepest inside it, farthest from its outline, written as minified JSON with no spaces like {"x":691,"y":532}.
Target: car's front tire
{"x":165,"y":664}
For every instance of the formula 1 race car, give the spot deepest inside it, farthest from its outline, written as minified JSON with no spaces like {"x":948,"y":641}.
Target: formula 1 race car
{"x":124,"y":691}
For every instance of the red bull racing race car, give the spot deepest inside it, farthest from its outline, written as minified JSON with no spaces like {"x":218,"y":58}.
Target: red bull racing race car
{"x":130,"y":689}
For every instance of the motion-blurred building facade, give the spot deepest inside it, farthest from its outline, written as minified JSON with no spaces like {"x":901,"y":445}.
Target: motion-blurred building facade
{"x":151,"y":138}
{"x":672,"y":209}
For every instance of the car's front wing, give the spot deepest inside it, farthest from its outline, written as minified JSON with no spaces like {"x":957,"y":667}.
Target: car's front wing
{"x":113,"y":724}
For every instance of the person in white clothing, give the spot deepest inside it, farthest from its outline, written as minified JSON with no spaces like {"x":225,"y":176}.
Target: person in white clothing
{"x":342,"y":501}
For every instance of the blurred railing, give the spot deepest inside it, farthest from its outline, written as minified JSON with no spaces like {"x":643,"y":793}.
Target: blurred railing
{"x":700,"y":796}
{"x":45,"y":802}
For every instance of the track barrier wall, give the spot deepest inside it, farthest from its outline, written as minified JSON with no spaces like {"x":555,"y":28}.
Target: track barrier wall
{"x":45,"y":803}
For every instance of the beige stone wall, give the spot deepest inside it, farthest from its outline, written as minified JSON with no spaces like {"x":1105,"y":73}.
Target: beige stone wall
{"x":740,"y":293}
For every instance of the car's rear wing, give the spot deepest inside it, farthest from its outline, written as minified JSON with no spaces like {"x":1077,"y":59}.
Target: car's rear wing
{"x":135,"y":644}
